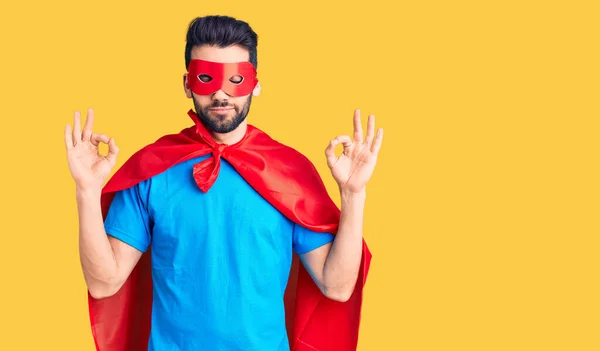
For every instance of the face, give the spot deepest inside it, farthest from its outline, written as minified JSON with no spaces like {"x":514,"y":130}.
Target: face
{"x":219,"y":111}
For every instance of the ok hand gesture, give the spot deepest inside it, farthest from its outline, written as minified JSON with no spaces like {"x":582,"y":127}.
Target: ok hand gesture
{"x":353,"y":169}
{"x":88,"y":168}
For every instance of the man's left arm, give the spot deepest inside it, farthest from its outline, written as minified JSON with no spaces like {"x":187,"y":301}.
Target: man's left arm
{"x":334,"y":267}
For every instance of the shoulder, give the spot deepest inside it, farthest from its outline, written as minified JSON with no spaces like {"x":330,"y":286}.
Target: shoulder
{"x":287,"y":154}
{"x":152,"y":159}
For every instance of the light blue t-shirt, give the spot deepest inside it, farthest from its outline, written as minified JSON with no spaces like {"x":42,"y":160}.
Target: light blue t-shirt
{"x":220,"y":259}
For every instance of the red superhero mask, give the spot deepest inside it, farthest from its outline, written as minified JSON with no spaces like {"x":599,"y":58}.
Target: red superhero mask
{"x":235,"y":79}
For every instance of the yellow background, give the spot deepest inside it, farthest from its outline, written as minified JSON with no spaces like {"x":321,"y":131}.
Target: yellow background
{"x":482,"y":215}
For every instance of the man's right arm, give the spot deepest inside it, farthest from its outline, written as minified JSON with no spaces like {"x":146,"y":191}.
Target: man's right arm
{"x":106,"y":261}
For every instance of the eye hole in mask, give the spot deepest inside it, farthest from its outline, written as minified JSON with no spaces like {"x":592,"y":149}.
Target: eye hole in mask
{"x":237,"y":79}
{"x":204,"y":78}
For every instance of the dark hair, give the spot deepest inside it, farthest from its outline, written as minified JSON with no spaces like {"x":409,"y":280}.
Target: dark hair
{"x":221,"y":31}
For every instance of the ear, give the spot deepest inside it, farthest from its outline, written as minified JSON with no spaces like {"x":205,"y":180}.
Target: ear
{"x":256,"y":90}
{"x":186,"y":87}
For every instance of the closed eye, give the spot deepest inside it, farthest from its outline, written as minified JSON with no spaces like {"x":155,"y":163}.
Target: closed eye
{"x":204,"y":78}
{"x":237,"y":79}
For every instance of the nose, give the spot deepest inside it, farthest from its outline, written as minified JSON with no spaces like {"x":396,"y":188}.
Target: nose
{"x":220,"y":95}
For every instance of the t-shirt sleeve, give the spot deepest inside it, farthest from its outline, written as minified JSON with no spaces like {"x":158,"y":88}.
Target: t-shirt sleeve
{"x":128,"y":218}
{"x":305,"y":240}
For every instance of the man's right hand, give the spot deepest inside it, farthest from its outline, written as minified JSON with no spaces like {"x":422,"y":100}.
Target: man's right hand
{"x":88,"y":167}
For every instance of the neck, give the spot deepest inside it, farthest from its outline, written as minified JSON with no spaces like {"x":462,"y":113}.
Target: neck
{"x":231,"y":137}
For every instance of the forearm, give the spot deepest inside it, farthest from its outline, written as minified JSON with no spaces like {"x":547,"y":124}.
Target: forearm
{"x":96,"y":254}
{"x":343,"y":262}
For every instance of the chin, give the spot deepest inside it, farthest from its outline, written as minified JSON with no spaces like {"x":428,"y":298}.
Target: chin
{"x":222,"y":121}
{"x":222,"y":125}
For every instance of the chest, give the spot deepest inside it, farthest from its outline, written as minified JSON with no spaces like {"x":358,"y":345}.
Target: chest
{"x":231,"y":224}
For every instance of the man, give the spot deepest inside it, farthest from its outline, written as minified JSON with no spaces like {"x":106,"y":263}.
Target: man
{"x":223,"y":208}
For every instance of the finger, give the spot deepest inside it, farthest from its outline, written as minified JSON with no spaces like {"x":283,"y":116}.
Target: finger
{"x":113,"y":151}
{"x":77,"y":128}
{"x":330,"y":154}
{"x":378,"y":141}
{"x":344,"y":140}
{"x":87,"y":129}
{"x":97,"y":138}
{"x":370,"y":130}
{"x":358,"y":131}
{"x":68,"y":137}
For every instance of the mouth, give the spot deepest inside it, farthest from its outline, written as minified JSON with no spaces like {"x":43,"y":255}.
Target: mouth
{"x":221,"y":109}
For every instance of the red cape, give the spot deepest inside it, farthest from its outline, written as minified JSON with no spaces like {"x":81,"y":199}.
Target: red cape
{"x":287,"y":180}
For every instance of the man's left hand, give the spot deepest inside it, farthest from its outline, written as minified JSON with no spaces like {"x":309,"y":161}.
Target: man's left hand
{"x":354,"y":167}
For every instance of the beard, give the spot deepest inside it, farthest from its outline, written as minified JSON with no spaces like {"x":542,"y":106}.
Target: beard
{"x":222,"y":123}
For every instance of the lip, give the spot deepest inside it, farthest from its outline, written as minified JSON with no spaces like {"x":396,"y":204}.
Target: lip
{"x":221,"y":109}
